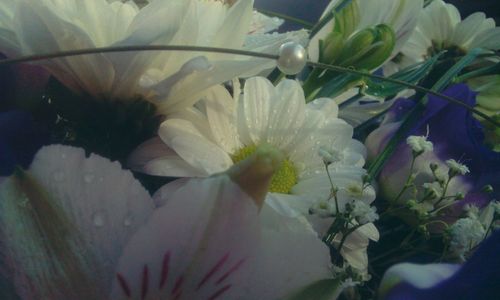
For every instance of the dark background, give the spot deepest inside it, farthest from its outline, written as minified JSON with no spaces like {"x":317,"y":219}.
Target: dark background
{"x":310,"y":10}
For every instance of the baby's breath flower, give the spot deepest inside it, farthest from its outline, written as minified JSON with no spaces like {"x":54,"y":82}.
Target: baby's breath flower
{"x":456,"y":167}
{"x":466,"y":233}
{"x":419,"y":144}
{"x":329,"y":155}
{"x":363,"y":212}
{"x":435,"y":189}
{"x":472,"y":211}
{"x":323,"y":209}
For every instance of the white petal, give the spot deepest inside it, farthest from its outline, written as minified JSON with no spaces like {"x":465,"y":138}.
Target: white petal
{"x":263,"y":24}
{"x":191,"y":87}
{"x":41,"y":31}
{"x":233,"y":31}
{"x":254,"y":109}
{"x":206,"y":230}
{"x":419,"y":276}
{"x":194,"y":147}
{"x":221,"y":114}
{"x":287,"y":114}
{"x":104,"y":203}
{"x":274,"y":276}
{"x":289,"y":205}
{"x":154,"y":157}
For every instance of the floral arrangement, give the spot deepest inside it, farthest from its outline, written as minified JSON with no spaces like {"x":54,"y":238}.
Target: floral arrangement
{"x":199,"y":149}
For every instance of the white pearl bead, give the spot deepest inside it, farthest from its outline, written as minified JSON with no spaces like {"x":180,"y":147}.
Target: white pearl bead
{"x":292,"y":58}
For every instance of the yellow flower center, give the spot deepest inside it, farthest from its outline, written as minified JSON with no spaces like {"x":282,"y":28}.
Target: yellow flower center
{"x":282,"y":181}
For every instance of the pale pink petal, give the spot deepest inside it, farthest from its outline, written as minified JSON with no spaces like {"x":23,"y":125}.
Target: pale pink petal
{"x":196,"y":246}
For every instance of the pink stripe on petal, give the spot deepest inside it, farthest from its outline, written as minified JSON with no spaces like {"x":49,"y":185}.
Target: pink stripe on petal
{"x":124,"y":285}
{"x":178,"y":296}
{"x":164,"y":269}
{"x":230,"y":271}
{"x":212,"y":271}
{"x":145,"y":282}
{"x":219,"y":292}
{"x":178,"y":284}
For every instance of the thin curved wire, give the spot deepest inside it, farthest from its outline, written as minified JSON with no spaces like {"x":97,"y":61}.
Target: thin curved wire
{"x":39,"y":57}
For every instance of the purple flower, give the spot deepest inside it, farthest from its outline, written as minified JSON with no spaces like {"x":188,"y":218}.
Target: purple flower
{"x":20,"y":139}
{"x":20,"y":135}
{"x":455,"y":133}
{"x":478,"y":278}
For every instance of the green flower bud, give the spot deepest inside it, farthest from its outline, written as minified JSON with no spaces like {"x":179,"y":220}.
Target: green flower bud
{"x":487,"y":189}
{"x":348,"y":19}
{"x":331,"y":47}
{"x":368,"y":48}
{"x":380,"y":50}
{"x":357,"y":46}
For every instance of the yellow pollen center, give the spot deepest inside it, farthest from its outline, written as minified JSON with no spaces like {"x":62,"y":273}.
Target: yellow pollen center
{"x":283,"y":179}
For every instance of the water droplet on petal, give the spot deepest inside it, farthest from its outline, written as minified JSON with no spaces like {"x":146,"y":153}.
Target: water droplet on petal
{"x":59,"y":175}
{"x":99,"y":218}
{"x":128,"y":221}
{"x":88,"y":178}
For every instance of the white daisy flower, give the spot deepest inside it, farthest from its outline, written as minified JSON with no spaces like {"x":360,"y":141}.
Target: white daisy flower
{"x":223,"y":130}
{"x":440,"y":27}
{"x":172,"y":80}
{"x":48,"y":26}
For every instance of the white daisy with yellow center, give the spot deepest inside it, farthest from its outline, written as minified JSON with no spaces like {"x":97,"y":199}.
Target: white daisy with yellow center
{"x":222,"y":130}
{"x":440,"y":27}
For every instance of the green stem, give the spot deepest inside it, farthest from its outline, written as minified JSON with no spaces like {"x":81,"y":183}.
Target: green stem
{"x":407,"y":182}
{"x":490,"y":70}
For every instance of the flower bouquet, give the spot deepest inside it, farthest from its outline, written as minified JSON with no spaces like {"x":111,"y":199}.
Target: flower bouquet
{"x":213,"y":149}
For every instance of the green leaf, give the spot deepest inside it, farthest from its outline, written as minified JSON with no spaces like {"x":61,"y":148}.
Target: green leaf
{"x":412,"y":75}
{"x":338,"y":84}
{"x":325,"y":289}
{"x":448,"y":77}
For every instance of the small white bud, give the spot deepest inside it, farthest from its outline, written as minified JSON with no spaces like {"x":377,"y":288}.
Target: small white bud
{"x":457,"y":167}
{"x":323,"y":209}
{"x":329,"y":155}
{"x":419,"y":144}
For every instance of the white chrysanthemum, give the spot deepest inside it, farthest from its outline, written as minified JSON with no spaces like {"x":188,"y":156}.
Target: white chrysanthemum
{"x":174,"y":79}
{"x":223,"y":130}
{"x":48,"y":26}
{"x":440,"y":27}
{"x":401,"y":16}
